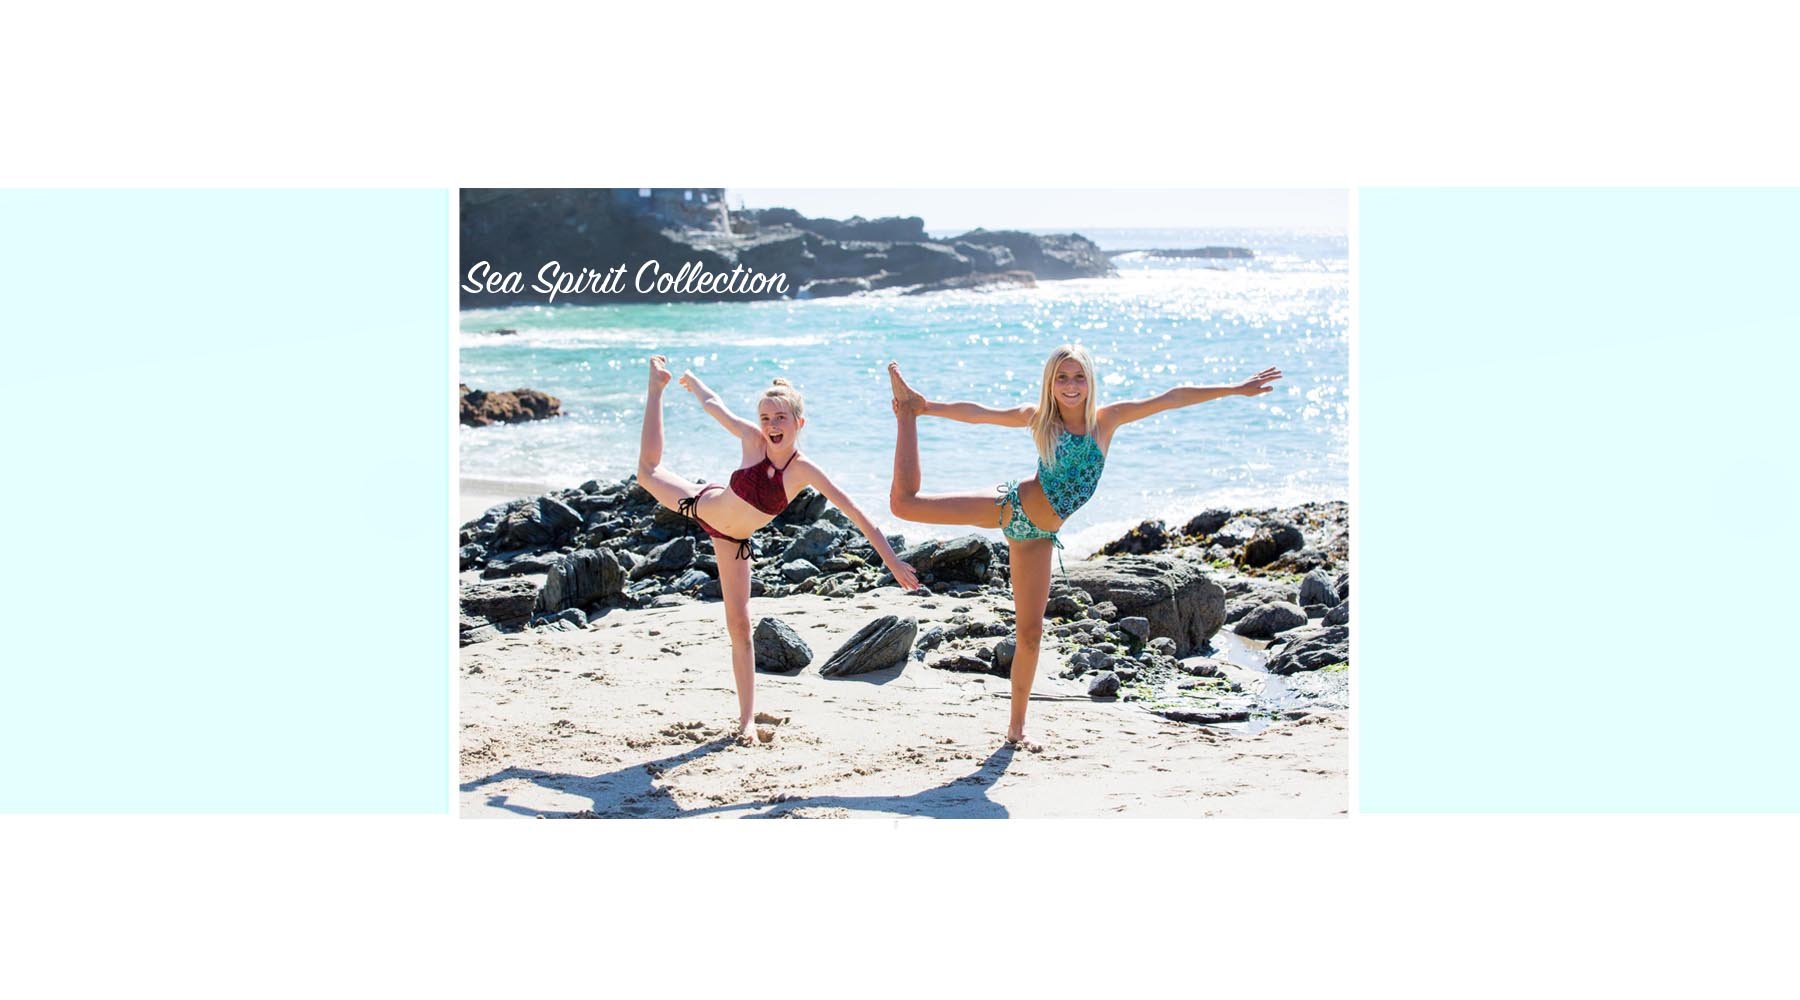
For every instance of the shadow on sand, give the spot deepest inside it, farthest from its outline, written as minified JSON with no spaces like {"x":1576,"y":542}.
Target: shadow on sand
{"x":631,"y":793}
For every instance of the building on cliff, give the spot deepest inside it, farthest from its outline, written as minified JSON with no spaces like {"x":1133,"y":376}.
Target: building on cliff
{"x":688,"y":208}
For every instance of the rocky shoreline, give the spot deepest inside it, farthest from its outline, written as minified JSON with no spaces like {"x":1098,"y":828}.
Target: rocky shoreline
{"x":520,"y":230}
{"x":1144,"y":620}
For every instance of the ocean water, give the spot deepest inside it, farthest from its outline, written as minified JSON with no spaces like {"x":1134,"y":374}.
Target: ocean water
{"x":1159,"y":323}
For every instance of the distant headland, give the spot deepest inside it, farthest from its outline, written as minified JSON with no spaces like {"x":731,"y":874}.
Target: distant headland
{"x":602,"y":240}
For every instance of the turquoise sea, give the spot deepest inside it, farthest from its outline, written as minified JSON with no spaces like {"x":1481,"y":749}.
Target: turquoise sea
{"x":1157,"y":324}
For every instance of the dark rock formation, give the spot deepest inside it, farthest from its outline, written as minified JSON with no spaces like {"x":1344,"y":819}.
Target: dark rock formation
{"x":779,"y":649}
{"x":1268,"y":619}
{"x":1176,"y":597}
{"x":884,"y":642}
{"x":1310,"y":648}
{"x":599,"y":229}
{"x":480,"y":409}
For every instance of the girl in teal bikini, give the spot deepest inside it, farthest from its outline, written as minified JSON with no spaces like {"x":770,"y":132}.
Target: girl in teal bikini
{"x":1072,"y":435}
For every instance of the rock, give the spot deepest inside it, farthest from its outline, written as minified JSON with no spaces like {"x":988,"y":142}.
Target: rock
{"x":1339,"y":615}
{"x":813,"y":546}
{"x":672,"y":556}
{"x":1342,"y":586}
{"x":1200,"y":666}
{"x":1045,"y":256}
{"x":1105,"y":611}
{"x":1143,"y":539}
{"x":539,"y":522}
{"x":1310,"y":648}
{"x":1207,"y":522}
{"x":963,"y":559}
{"x":1316,"y":588}
{"x":1004,"y":651}
{"x":1162,"y":645}
{"x":884,"y":642}
{"x":1314,"y":610}
{"x":504,"y":604}
{"x":711,"y":590}
{"x":1270,"y":618}
{"x":581,"y":578}
{"x":961,"y":662}
{"x":1179,"y":601}
{"x":799,"y":570}
{"x":1104,"y":685}
{"x":807,"y":506}
{"x":1137,"y":626}
{"x":689,"y":580}
{"x":480,"y":409}
{"x":1272,"y":540}
{"x":779,"y":649}
{"x":1088,"y":658}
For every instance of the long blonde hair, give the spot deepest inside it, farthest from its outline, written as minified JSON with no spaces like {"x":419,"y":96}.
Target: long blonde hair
{"x":1047,"y":424}
{"x":784,"y":392}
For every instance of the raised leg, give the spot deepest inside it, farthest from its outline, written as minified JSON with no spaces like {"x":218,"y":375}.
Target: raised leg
{"x":1031,"y":590}
{"x":734,"y":588}
{"x":973,"y":509}
{"x":668,"y":488}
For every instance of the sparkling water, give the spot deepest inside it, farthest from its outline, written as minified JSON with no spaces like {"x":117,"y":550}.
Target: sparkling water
{"x":1159,"y":323}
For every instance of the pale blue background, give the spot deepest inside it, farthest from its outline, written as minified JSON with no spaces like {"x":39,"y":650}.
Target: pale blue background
{"x":227,"y":461}
{"x":1576,"y":500}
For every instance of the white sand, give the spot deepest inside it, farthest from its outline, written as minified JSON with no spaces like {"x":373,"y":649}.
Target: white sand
{"x":632,"y":717}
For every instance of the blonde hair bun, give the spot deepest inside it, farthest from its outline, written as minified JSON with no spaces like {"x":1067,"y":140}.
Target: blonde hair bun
{"x":783,"y":392}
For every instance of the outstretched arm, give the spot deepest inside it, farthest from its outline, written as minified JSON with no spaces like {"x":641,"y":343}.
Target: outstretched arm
{"x":713,"y":405}
{"x":903,"y":573}
{"x":975,"y":413}
{"x":1116,"y":414}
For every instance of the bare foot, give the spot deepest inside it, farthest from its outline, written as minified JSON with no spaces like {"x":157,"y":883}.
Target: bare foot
{"x":1020,"y":742}
{"x":746,"y":735}
{"x":905,"y":399}
{"x":659,"y":371}
{"x":771,"y":719}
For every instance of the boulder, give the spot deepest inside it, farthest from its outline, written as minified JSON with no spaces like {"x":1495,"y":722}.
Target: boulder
{"x":504,"y":604}
{"x":884,"y":642}
{"x":1270,"y":541}
{"x":779,"y":649}
{"x":672,"y":556}
{"x":813,"y":545}
{"x":1310,"y":648}
{"x":1141,"y":540}
{"x":1137,"y":626}
{"x":798,"y":570}
{"x":581,"y":578}
{"x":1339,"y":615}
{"x":1104,"y":685}
{"x":962,"y":559}
{"x":1268,"y":619}
{"x":480,"y":408}
{"x":1316,"y":588}
{"x":1177,"y":599}
{"x":1206,"y":522}
{"x":539,"y":522}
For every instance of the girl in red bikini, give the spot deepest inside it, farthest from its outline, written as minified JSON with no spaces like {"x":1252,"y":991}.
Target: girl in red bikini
{"x":771,"y":473}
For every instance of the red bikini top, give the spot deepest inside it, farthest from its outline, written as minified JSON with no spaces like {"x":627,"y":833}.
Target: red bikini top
{"x":766,"y":493}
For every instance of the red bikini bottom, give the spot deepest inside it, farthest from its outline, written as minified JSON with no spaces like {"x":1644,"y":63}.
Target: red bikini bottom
{"x":687,"y":509}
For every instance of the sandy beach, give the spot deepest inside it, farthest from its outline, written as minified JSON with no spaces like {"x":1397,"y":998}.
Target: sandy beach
{"x":631,"y":717}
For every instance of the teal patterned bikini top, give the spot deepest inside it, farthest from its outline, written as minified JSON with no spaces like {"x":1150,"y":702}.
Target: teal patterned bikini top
{"x":1070,"y":482}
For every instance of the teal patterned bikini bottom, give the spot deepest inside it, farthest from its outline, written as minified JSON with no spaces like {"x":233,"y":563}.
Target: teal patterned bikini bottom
{"x":1019,"y":526}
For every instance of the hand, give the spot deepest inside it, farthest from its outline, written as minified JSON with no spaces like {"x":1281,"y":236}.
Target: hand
{"x":904,"y":575}
{"x":692,"y":383}
{"x":1258,"y":384}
